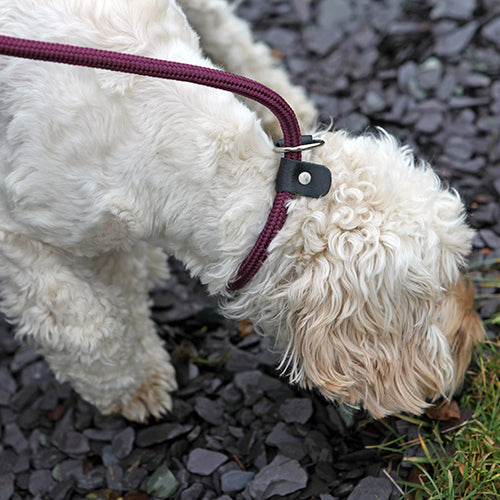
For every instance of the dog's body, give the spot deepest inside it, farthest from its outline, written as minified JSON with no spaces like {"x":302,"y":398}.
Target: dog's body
{"x":99,"y":170}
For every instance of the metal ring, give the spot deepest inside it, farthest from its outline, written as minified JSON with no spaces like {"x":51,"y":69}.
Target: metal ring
{"x":303,"y":147}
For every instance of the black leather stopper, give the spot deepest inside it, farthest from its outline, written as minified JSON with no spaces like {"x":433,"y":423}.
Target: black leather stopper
{"x":303,"y":178}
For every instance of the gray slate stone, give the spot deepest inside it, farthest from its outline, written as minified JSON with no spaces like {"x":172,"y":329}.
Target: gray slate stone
{"x":373,"y":103}
{"x":281,"y":477}
{"x":297,"y":410}
{"x":372,"y":488}
{"x":24,"y":397}
{"x":108,"y":456}
{"x":208,"y":410}
{"x":280,"y":38}
{"x":241,"y":361}
{"x":459,"y":10}
{"x":491,"y":239}
{"x":7,"y":382}
{"x":46,"y":458}
{"x":99,"y":434}
{"x":317,"y":446}
{"x":253,"y":384}
{"x":288,"y":444}
{"x":497,"y":186}
{"x":23,"y":357}
{"x":235,"y":480}
{"x":71,"y":442}
{"x":93,"y":479}
{"x":15,"y":438}
{"x":302,"y":10}
{"x":204,"y":462}
{"x":491,"y":31}
{"x":40,"y":482}
{"x":430,"y":73}
{"x":459,"y":148}
{"x":160,"y":433}
{"x":429,"y":122}
{"x":453,"y":43}
{"x":114,"y":476}
{"x":321,"y":40}
{"x":6,"y":486}
{"x":123,"y":442}
{"x":194,"y":491}
{"x":334,"y":14}
{"x":61,"y":491}
{"x":132,"y":480}
{"x":490,"y":307}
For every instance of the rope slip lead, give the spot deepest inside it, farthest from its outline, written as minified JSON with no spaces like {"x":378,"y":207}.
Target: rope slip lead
{"x":294,"y":175}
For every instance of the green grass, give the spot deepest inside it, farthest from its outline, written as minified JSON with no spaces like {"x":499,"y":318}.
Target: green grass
{"x":466,"y":463}
{"x":462,"y":462}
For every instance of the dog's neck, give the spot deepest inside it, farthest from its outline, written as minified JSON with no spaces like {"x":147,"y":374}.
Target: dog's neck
{"x":212,"y":182}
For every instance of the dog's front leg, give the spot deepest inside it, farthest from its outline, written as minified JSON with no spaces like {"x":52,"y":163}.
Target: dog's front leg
{"x":86,"y":326}
{"x":227,"y":40}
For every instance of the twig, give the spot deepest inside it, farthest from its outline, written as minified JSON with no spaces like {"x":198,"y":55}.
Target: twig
{"x":391,"y":479}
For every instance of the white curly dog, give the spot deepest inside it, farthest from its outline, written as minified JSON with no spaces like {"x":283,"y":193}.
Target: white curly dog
{"x":102,"y":172}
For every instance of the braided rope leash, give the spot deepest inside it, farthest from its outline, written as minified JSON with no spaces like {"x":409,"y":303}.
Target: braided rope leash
{"x":145,"y":66}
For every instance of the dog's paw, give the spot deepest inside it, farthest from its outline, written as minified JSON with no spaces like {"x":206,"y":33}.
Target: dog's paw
{"x":151,"y":399}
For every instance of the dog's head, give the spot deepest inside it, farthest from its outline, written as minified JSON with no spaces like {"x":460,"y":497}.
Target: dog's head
{"x":362,"y":287}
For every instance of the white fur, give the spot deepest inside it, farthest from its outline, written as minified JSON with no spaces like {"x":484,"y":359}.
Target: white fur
{"x":100,"y":169}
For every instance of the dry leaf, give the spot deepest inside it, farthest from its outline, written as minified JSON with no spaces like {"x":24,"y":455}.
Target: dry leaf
{"x":277,"y":53}
{"x":445,"y":410}
{"x":245,"y":328}
{"x":104,"y":495}
{"x":135,"y":495}
{"x":461,"y":467}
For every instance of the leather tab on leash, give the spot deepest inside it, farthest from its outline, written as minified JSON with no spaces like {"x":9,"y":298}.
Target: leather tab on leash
{"x":303,"y":178}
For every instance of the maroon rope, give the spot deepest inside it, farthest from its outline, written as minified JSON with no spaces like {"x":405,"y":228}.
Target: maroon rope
{"x":127,"y":63}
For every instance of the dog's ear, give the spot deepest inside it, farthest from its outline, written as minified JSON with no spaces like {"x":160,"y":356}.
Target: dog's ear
{"x":366,"y":344}
{"x":461,"y":325}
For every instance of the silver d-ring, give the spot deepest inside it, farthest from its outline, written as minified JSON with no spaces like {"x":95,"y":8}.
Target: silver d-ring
{"x":303,"y":147}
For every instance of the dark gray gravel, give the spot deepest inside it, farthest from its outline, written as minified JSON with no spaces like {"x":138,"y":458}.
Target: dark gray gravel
{"x":427,"y":70}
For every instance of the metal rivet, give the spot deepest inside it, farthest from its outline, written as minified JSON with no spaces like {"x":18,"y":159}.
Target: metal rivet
{"x":305,"y":178}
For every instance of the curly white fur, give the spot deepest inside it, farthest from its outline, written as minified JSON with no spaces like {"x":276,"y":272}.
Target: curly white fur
{"x":354,"y":282}
{"x":100,"y":169}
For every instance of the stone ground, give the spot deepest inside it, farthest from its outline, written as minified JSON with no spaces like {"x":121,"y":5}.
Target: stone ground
{"x":427,"y":71}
